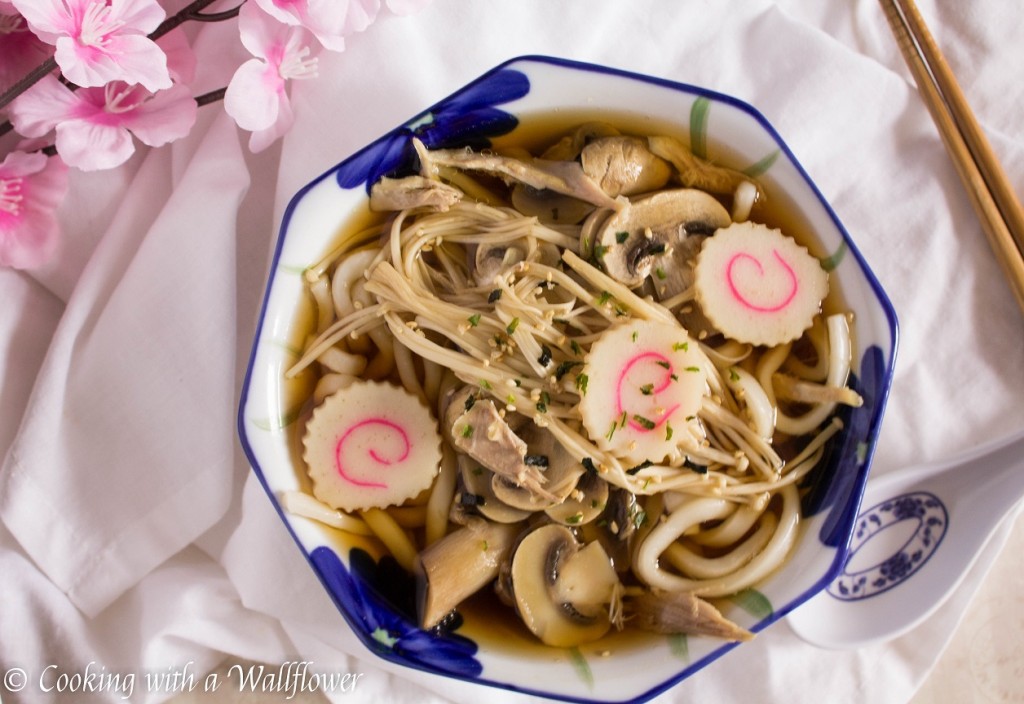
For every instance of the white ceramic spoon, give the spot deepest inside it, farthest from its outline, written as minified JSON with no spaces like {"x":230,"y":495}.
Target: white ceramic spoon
{"x":919,"y":532}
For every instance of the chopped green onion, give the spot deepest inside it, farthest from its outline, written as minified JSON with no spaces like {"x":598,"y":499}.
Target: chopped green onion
{"x":581,"y":383}
{"x":564,"y":369}
{"x":645,"y":422}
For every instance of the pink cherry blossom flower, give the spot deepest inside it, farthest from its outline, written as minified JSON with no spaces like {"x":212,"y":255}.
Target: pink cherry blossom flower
{"x":330,"y":21}
{"x":20,"y":50}
{"x":94,"y":126}
{"x":31,"y":188}
{"x":256,"y":97}
{"x":99,"y":41}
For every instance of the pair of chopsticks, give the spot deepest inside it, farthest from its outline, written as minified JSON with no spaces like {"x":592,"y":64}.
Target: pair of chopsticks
{"x":990,"y":192}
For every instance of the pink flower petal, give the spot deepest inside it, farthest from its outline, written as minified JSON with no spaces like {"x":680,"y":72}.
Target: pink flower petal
{"x":20,"y":164}
{"x":20,"y":50}
{"x":91,"y":147}
{"x":128,"y":58}
{"x":166,"y":117}
{"x":28,"y":226}
{"x":49,"y":19}
{"x":329,"y":20}
{"x":260,"y":32}
{"x":142,"y":16}
{"x":140,"y":60}
{"x":181,"y":60}
{"x":39,"y":109}
{"x":254,"y":95}
{"x":261,"y":139}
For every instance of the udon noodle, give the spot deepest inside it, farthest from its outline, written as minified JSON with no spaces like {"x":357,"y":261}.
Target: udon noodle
{"x":568,"y":416}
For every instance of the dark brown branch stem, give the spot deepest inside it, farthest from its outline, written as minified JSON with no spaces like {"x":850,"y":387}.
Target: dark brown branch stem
{"x":27,"y":82}
{"x":212,"y":97}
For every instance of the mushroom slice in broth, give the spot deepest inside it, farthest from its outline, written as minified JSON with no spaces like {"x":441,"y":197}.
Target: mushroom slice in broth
{"x":562,"y":591}
{"x":624,"y":165}
{"x":641,"y":238}
{"x":460,"y":564}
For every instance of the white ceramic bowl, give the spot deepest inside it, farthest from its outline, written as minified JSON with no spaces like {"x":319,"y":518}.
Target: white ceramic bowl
{"x":372,"y":593}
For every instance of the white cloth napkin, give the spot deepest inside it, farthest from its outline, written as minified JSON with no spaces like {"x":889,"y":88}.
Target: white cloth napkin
{"x":135,"y":535}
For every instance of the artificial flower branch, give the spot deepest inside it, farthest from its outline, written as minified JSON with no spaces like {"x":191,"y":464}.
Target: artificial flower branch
{"x":192,"y":12}
{"x":89,"y":78}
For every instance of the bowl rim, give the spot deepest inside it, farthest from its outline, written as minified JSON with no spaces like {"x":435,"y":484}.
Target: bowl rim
{"x":863,"y":469}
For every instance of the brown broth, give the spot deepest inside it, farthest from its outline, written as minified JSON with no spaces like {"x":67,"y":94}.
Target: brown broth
{"x":485,"y":619}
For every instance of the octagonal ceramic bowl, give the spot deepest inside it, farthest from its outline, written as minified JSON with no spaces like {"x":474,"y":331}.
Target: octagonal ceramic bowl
{"x":371,"y":592}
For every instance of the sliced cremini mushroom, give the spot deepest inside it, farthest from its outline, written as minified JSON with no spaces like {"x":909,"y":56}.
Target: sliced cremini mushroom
{"x":618,"y":523}
{"x":561,"y":473}
{"x":623,"y":165}
{"x":412,"y":192}
{"x":477,"y":494}
{"x":494,"y":259}
{"x":641,"y":238}
{"x":562,"y":591}
{"x":666,"y":612}
{"x":460,"y":564}
{"x":549,"y":206}
{"x":584,"y":504}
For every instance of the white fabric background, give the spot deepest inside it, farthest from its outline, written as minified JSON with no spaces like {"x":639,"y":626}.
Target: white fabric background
{"x":133,"y":533}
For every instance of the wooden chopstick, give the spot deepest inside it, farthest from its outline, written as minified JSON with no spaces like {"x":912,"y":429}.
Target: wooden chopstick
{"x":980,"y":172}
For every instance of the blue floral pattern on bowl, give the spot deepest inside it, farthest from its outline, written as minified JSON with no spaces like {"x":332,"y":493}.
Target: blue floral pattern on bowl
{"x":374,"y":595}
{"x":467,"y":119}
{"x":379,"y":597}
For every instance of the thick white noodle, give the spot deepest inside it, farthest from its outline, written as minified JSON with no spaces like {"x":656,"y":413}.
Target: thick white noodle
{"x":693,"y":513}
{"x":840,"y":354}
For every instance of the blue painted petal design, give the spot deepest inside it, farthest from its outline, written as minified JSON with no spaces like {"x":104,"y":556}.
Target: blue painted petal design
{"x":368,"y":165}
{"x":835,"y":491}
{"x":467,"y":119}
{"x":379,"y":597}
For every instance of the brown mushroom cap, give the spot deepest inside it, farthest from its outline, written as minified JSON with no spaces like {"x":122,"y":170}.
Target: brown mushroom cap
{"x":545,"y":576}
{"x":623,"y":165}
{"x":460,"y":564}
{"x":641,"y":236}
{"x":585,"y":503}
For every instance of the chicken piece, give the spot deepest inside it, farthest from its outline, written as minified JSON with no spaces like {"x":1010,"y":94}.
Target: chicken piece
{"x":412,"y":192}
{"x":681,"y":612}
{"x":564,"y":177}
{"x":479,"y":431}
